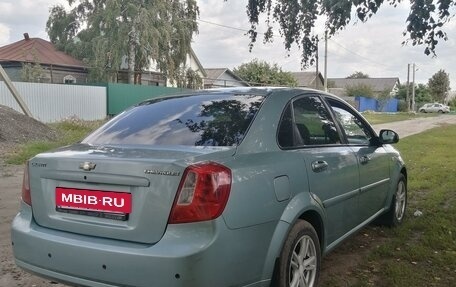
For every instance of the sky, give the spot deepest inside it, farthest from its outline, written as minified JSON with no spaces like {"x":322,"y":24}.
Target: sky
{"x":374,"y":47}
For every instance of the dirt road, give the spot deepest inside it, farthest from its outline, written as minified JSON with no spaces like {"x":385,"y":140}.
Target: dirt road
{"x":340,"y":262}
{"x":415,"y":126}
{"x":10,"y":194}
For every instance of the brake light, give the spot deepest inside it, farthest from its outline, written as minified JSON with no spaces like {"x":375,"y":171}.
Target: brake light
{"x":26,"y":196}
{"x":203,"y":193}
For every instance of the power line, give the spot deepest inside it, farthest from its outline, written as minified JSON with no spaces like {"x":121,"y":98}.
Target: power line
{"x":224,"y":26}
{"x":343,"y":47}
{"x":356,"y":54}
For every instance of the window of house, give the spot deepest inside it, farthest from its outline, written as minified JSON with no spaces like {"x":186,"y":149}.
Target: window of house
{"x":69,"y":79}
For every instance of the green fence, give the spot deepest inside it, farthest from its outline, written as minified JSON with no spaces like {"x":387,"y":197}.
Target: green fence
{"x":122,"y":96}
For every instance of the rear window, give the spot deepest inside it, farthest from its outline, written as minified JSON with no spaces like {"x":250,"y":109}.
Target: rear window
{"x":202,"y":120}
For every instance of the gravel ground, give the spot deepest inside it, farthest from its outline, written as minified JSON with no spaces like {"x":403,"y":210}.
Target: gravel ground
{"x":17,"y":128}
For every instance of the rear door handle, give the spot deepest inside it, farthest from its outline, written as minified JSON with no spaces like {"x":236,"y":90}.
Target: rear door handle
{"x":364,"y":159}
{"x":319,"y":166}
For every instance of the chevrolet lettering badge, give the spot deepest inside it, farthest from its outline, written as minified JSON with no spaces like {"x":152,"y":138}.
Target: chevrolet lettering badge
{"x":87,"y":166}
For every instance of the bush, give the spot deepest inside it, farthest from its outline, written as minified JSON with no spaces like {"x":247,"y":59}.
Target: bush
{"x":360,"y":90}
{"x":402,"y":106}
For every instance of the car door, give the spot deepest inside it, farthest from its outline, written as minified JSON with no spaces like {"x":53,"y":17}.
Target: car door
{"x":435,"y":108}
{"x":332,"y":169}
{"x":373,"y":161}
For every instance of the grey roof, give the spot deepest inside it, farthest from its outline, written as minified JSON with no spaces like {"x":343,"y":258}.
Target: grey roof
{"x":305,"y":79}
{"x":377,"y":84}
{"x":213,"y":74}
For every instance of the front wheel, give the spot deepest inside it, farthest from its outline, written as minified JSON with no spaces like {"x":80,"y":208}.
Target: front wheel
{"x":396,"y":214}
{"x":300,"y":259}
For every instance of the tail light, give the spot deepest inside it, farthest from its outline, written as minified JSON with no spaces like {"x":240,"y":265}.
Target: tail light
{"x":202,"y":194}
{"x":26,"y":196}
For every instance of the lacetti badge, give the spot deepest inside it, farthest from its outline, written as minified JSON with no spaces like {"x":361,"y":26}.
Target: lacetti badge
{"x":87,"y":166}
{"x":162,"y":172}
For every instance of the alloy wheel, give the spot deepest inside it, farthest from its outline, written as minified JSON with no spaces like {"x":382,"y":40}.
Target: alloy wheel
{"x":401,"y":197}
{"x":303,"y":264}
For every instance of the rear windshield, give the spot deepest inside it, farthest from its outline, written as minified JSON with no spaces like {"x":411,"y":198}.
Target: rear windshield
{"x":202,"y":120}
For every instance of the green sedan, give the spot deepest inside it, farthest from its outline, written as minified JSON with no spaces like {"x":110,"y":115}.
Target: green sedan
{"x":226,"y":187}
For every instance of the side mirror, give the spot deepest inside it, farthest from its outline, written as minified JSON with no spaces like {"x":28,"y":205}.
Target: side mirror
{"x":388,"y":137}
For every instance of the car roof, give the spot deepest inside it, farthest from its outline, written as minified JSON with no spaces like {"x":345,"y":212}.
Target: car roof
{"x":254,"y":90}
{"x":267,"y":92}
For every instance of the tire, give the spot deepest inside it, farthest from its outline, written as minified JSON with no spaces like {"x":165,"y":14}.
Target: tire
{"x":422,"y":111}
{"x":298,"y":266}
{"x":440,"y":112}
{"x":395,"y":215}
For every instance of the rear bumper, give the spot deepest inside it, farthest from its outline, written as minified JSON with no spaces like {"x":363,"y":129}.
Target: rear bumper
{"x":187,"y":255}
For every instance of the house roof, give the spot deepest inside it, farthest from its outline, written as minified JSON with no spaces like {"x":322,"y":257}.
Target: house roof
{"x":306,"y":79}
{"x":33,"y":50}
{"x":377,"y":84}
{"x":213,"y":74}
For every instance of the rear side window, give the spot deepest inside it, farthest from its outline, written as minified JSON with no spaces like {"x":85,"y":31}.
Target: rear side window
{"x":306,"y":121}
{"x":202,"y":120}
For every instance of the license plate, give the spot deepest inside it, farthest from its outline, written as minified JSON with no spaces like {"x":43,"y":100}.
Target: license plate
{"x":93,"y":200}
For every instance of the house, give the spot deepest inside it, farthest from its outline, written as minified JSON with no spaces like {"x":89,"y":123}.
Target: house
{"x":338,"y":86}
{"x":309,"y":80}
{"x":54,"y":66}
{"x":192,"y":62}
{"x":222,"y":77}
{"x":58,"y":67}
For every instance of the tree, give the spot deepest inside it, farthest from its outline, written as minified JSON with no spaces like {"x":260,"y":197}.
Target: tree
{"x":422,"y":93}
{"x":32,"y":72}
{"x":439,"y":86}
{"x":187,"y":78}
{"x":358,"y":75}
{"x":297,"y":20}
{"x":360,"y":90}
{"x":110,"y":34}
{"x":261,"y":73}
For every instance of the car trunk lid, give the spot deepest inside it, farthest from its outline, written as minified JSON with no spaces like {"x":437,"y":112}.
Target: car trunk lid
{"x":119,"y":193}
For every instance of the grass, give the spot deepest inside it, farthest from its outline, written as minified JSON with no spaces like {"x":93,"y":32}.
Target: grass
{"x":381,"y":118}
{"x":422,"y":251}
{"x":68,"y":132}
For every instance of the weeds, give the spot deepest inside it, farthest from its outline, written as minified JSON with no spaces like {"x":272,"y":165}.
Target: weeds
{"x":69,"y":131}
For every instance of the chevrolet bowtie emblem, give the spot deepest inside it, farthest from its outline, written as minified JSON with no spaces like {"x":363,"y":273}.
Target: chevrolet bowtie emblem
{"x":87,"y":166}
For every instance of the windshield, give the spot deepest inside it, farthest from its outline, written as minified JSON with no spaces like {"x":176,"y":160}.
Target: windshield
{"x":198,"y":120}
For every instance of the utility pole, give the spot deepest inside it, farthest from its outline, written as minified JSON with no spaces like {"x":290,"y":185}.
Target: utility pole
{"x":413,"y":89}
{"x":317,"y":78}
{"x":326,"y":60}
{"x":407,"y":98}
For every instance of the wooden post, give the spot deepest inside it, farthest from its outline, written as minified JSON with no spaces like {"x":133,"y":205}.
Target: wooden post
{"x":326,"y":60}
{"x":14,"y":92}
{"x":317,"y":78}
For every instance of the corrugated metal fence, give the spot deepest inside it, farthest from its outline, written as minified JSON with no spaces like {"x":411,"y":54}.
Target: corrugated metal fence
{"x":52,"y":103}
{"x":370,"y":104}
{"x":122,"y":96}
